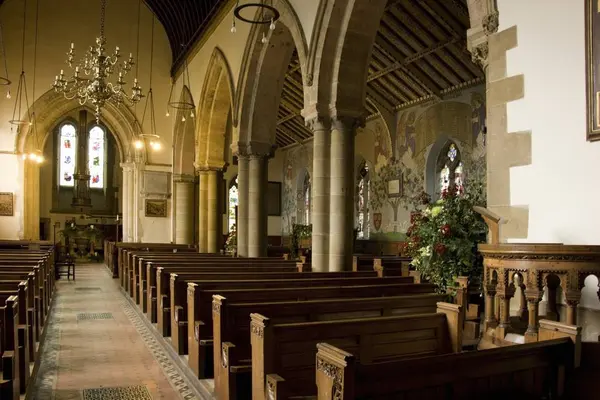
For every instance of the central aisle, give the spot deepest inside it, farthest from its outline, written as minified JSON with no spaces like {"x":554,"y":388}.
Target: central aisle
{"x":98,"y":348}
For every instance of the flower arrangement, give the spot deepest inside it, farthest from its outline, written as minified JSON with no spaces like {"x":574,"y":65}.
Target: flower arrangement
{"x":443,"y":235}
{"x":299,"y":232}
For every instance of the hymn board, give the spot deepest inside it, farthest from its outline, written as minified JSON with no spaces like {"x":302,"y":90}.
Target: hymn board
{"x":592,"y":50}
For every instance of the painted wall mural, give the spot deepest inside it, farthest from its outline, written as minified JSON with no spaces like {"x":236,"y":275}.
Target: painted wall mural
{"x":398,"y":175}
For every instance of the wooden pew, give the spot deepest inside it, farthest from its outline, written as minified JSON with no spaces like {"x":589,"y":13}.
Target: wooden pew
{"x":200,"y":323}
{"x":141,"y":277}
{"x":528,"y":371}
{"x":231,"y":324}
{"x":176,"y":296}
{"x":9,"y":368}
{"x":283,"y":355}
{"x":392,"y":266}
{"x":121,"y":247}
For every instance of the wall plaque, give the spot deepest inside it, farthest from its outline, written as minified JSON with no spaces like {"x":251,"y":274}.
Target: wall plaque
{"x":6,"y":204}
{"x":156,"y":208}
{"x":592,"y":61}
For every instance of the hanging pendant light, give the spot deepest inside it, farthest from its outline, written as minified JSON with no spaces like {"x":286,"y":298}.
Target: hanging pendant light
{"x":183,"y":104}
{"x":4,"y":81}
{"x":19,"y":115}
{"x":152,"y":138}
{"x":265,"y":13}
{"x":37,"y":155}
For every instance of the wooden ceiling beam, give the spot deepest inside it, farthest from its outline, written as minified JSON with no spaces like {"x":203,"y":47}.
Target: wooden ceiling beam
{"x":412,"y":58}
{"x":286,"y":118}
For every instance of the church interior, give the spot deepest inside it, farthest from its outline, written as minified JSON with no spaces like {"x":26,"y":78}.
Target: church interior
{"x":286,"y":199}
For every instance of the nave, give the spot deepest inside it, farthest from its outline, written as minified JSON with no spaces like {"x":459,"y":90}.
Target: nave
{"x":97,"y":347}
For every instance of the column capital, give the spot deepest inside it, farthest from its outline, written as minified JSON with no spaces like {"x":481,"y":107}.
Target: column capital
{"x":184,"y":178}
{"x":344,"y":123}
{"x":206,"y":168}
{"x":318,"y":122}
{"x":253,"y":148}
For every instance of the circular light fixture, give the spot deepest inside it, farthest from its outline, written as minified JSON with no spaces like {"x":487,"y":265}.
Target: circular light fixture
{"x":274,"y":17}
{"x":138,"y":144}
{"x":153,"y":140}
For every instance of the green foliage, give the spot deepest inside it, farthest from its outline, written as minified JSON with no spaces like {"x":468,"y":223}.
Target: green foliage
{"x":299,"y":232}
{"x":444,"y":234}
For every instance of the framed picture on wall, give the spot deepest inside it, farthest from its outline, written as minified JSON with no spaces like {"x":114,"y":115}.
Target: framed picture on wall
{"x":395,"y":187}
{"x":274,"y":199}
{"x":156,"y":208}
{"x":592,"y":58}
{"x":6,"y":204}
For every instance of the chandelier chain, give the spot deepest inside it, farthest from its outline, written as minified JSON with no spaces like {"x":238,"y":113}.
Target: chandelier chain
{"x":24,"y":30}
{"x":2,"y":43}
{"x":102,"y":16}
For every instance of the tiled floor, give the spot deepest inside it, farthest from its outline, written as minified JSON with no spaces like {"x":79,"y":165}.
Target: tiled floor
{"x":94,"y":341}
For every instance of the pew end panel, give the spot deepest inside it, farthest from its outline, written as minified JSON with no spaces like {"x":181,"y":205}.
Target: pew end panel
{"x":334,"y":373}
{"x":550,"y":330}
{"x":454,"y":324}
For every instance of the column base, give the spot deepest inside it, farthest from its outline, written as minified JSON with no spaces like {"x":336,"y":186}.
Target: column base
{"x":531,"y":336}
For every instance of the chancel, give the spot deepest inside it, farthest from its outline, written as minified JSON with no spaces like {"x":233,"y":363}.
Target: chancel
{"x":283,"y":199}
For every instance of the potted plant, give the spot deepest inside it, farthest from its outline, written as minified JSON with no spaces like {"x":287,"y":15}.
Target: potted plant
{"x":443,"y":235}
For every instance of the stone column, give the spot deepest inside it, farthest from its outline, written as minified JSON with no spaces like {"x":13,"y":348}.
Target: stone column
{"x":257,"y":206}
{"x":341,"y":203}
{"x":184,"y":208}
{"x":320,"y":193}
{"x":214,"y":218}
{"x":128,"y":201}
{"x":203,"y":211}
{"x":242,"y":219}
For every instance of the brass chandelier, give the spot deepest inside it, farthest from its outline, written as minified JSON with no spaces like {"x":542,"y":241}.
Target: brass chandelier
{"x":91,"y":79}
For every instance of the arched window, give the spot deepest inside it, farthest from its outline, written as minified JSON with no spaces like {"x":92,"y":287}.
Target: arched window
{"x":449,"y":169}
{"x":306,"y":191}
{"x":67,"y":154}
{"x":362,"y":202}
{"x":233,"y":203}
{"x":96,"y":157}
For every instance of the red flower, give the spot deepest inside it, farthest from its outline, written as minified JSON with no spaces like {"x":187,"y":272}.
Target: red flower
{"x":440,"y":249}
{"x":403,"y":248}
{"x":415,"y":216}
{"x":416,"y":239}
{"x":445,"y":230}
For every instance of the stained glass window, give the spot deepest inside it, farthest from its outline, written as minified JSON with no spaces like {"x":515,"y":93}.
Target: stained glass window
{"x":68,"y":149}
{"x":233,"y":203}
{"x":96,"y":157}
{"x":450,"y":169}
{"x":362,"y":202}
{"x":307,"y":194}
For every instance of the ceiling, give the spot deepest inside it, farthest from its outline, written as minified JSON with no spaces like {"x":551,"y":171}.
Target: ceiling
{"x":420,"y":54}
{"x":184,"y":21}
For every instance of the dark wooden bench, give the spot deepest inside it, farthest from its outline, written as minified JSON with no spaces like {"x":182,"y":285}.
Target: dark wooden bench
{"x":176,"y":296}
{"x":200,"y":323}
{"x":231,"y":323}
{"x":10,"y":384}
{"x":283,"y":355}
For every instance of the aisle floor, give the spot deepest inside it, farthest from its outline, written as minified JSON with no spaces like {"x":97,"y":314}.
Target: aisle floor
{"x":97,"y":347}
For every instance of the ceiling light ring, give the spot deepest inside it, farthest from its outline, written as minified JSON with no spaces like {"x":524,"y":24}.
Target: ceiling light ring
{"x":181,"y":105}
{"x":274,"y":18}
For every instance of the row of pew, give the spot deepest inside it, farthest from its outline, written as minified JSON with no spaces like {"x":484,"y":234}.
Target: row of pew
{"x":27,"y":282}
{"x":269,"y":328}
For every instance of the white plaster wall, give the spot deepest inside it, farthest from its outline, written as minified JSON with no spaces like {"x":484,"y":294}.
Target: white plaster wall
{"x":11,"y":181}
{"x":307,"y":14}
{"x":560,"y":184}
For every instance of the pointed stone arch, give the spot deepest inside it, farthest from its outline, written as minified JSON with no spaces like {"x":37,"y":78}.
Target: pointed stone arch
{"x":183,"y":137}
{"x":50,"y":108}
{"x":262,"y":76}
{"x":214,"y":113}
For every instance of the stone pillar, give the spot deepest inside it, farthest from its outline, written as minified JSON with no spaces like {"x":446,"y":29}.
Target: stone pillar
{"x":184,"y":209}
{"x":128,"y":202}
{"x":341,"y":203}
{"x":214,"y":218}
{"x":257,"y":206}
{"x":320,"y":193}
{"x":203,"y":211}
{"x":242,"y":219}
